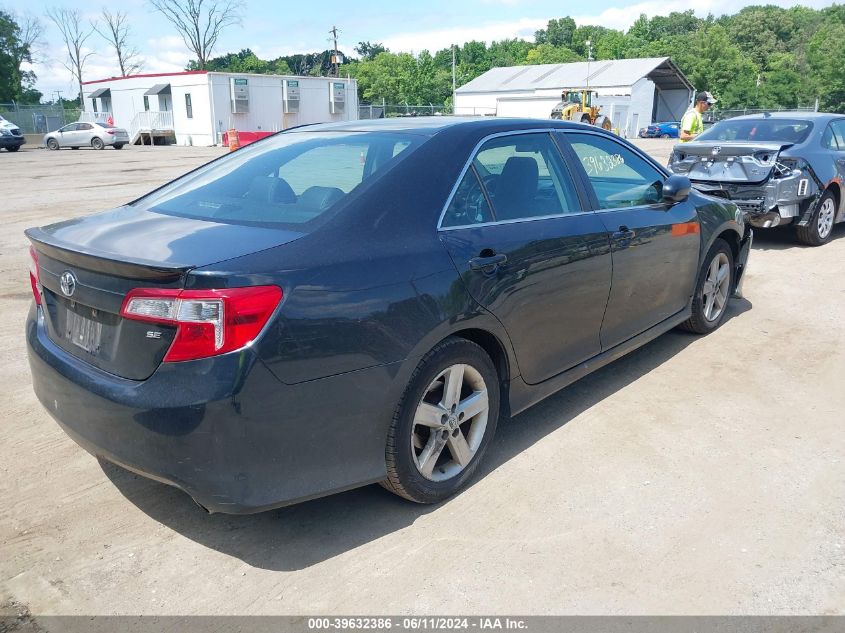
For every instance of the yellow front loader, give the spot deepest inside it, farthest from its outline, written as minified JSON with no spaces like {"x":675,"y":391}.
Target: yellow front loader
{"x":577,"y":105}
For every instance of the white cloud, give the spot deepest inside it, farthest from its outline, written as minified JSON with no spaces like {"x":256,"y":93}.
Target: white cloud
{"x":443,"y":38}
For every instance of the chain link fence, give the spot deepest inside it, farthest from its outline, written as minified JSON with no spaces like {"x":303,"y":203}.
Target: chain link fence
{"x":712,"y":116}
{"x":38,"y":119}
{"x":384,"y":111}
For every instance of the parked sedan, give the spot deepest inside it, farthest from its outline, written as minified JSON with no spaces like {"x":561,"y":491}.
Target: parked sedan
{"x":780,"y":168}
{"x":97,"y":135}
{"x":661,"y":130}
{"x":360,"y":302}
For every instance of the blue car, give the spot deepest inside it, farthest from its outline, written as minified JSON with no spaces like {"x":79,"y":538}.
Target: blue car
{"x":661,"y":130}
{"x":781,"y":168}
{"x":359,"y":302}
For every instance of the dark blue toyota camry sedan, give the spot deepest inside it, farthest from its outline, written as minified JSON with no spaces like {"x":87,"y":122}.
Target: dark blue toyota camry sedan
{"x":352,"y":303}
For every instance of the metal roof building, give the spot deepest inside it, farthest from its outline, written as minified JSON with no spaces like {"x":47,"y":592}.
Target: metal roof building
{"x":632,"y":92}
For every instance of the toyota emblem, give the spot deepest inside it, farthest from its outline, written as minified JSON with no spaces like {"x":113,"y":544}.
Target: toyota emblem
{"x":67,"y":283}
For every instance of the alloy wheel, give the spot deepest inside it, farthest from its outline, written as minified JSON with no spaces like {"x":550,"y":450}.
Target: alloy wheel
{"x":825,"y":221}
{"x":449,"y":423}
{"x":716,"y":287}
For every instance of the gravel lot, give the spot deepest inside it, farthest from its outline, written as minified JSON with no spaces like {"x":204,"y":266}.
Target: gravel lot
{"x":694,"y":476}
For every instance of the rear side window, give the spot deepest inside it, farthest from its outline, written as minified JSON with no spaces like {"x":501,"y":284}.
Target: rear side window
{"x":521,"y":175}
{"x":838,"y":130}
{"x":618,"y":176}
{"x":289,"y":180}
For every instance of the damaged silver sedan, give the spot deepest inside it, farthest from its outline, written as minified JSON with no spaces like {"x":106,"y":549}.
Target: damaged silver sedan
{"x":779,"y":168}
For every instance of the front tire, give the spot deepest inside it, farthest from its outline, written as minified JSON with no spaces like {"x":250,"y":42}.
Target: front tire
{"x":443,"y":423}
{"x":97,"y":143}
{"x":52,"y":144}
{"x":13,"y":148}
{"x":712,"y":290}
{"x":820,"y":227}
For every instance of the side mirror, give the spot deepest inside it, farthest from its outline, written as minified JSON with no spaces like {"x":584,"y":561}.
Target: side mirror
{"x":676,"y":188}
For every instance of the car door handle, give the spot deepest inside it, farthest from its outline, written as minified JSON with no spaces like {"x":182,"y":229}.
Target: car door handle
{"x":488,"y":263}
{"x":624,"y":233}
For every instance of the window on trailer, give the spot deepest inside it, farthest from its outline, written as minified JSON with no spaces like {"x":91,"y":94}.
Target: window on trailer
{"x":188,"y":107}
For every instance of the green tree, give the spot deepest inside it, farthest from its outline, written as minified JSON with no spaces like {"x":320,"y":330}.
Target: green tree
{"x":825,"y":53}
{"x":15,"y":84}
{"x":557,"y":32}
{"x":368,"y":50}
{"x":548,"y":54}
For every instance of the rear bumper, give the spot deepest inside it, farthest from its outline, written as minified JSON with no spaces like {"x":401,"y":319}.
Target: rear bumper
{"x":224,"y":430}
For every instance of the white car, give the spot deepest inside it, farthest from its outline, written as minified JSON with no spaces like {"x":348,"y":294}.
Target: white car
{"x":96,"y":135}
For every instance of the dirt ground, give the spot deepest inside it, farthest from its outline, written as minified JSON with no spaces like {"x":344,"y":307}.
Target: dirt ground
{"x":694,"y":476}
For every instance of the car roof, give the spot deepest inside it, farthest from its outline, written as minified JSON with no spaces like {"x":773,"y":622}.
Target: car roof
{"x":431,"y":125}
{"x":793,"y":114}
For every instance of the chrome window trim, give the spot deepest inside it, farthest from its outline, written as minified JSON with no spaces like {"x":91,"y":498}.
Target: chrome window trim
{"x":556,"y":216}
{"x":472,"y":154}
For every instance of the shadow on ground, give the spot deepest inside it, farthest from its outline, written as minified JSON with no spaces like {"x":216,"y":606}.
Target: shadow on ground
{"x":306,"y":534}
{"x":783,"y":238}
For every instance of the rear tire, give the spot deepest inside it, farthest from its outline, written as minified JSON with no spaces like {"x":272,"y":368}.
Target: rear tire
{"x":97,"y":143}
{"x":118,"y":145}
{"x":820,"y":227}
{"x":443,"y":423}
{"x":713,"y":290}
{"x":585,"y":119}
{"x":604,"y":123}
{"x":13,"y":148}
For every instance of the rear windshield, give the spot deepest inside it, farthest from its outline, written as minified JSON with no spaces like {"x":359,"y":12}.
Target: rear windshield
{"x":289,"y":180}
{"x":105,"y":125}
{"x":778,"y":130}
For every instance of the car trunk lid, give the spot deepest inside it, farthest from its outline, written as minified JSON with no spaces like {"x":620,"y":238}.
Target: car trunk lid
{"x":87,"y":266}
{"x":726,"y":161}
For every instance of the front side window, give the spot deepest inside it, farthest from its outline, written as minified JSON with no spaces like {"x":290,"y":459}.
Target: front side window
{"x":619,"y":177}
{"x":289,"y":180}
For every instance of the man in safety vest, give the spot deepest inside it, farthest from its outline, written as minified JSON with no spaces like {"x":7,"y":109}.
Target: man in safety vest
{"x":692,"y":124}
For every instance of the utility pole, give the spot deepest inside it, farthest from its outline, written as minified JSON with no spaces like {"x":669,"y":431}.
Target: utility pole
{"x":453,"y":79}
{"x":335,"y":69}
{"x":589,"y":59}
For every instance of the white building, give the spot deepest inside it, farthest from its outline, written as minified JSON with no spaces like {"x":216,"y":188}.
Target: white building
{"x":632,"y":92}
{"x":197,"y":107}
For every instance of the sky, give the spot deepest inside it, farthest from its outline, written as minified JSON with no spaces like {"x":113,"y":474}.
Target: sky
{"x":272,"y":29}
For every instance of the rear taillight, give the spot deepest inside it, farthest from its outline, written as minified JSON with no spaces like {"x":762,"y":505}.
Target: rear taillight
{"x":110,"y":132}
{"x":34,"y":279}
{"x":208,"y":322}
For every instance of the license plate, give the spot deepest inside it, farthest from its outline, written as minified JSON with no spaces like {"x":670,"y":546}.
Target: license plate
{"x":83,"y":332}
